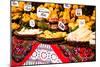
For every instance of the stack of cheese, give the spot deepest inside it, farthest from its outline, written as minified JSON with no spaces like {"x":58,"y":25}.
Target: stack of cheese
{"x":49,"y":34}
{"x":82,"y":35}
{"x":29,"y":31}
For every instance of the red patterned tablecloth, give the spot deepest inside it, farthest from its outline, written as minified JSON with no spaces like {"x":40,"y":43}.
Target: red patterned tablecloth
{"x":42,"y":54}
{"x":31,"y":52}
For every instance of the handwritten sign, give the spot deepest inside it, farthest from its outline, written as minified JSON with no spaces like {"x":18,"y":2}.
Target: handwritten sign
{"x":61,"y":25}
{"x":32,"y":23}
{"x":92,"y":42}
{"x":81,"y":22}
{"x":14,"y":3}
{"x":67,"y":5}
{"x":27,"y":7}
{"x":78,"y":12}
{"x":43,"y":12}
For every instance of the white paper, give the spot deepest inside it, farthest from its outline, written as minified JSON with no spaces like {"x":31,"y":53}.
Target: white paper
{"x":27,"y":7}
{"x":43,"y":12}
{"x":92,"y":42}
{"x":61,"y":25}
{"x":67,"y":5}
{"x":81,"y":23}
{"x":32,"y":23}
{"x":14,"y":3}
{"x":78,"y":12}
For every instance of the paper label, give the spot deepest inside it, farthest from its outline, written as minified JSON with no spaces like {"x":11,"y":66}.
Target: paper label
{"x":14,"y":3}
{"x":92,"y":42}
{"x":32,"y":23}
{"x":61,"y":25}
{"x":78,"y":12}
{"x":67,"y":5}
{"x":43,"y":12}
{"x":27,"y":7}
{"x":81,"y":22}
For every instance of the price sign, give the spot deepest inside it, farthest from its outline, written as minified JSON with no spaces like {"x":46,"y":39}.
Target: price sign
{"x":27,"y":7}
{"x":78,"y":12}
{"x":43,"y":12}
{"x":92,"y":42}
{"x":14,"y":3}
{"x":67,"y":5}
{"x":81,"y":22}
{"x":32,"y":23}
{"x":61,"y":25}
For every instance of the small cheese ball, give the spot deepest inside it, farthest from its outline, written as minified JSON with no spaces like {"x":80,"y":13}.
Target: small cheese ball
{"x":57,"y":6}
{"x":33,"y":8}
{"x":53,"y":5}
{"x":21,"y":5}
{"x":87,"y":18}
{"x":16,"y":16}
{"x":41,"y":6}
{"x":25,"y":17}
{"x":72,"y":19}
{"x":71,"y":25}
{"x":93,"y":18}
{"x":46,"y":5}
{"x":73,"y":13}
{"x":66,"y":15}
{"x":75,"y":6}
{"x":94,"y":13}
{"x":33,"y":16}
{"x":14,"y":26}
{"x":14,"y":9}
{"x":54,"y":16}
{"x":90,"y":23}
{"x":61,"y":14}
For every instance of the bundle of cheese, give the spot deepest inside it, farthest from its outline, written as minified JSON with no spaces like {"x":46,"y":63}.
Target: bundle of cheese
{"x":29,"y":31}
{"x":81,"y":34}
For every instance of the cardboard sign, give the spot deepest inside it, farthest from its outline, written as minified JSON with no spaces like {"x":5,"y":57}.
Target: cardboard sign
{"x":61,"y":25}
{"x":78,"y":12}
{"x":27,"y":7}
{"x":14,"y":3}
{"x":32,"y":23}
{"x":67,"y":5}
{"x":43,"y":12}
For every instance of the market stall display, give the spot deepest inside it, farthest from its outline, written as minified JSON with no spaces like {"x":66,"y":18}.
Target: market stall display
{"x":47,"y":33}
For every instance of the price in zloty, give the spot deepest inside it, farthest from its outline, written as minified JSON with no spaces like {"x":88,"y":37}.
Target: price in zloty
{"x":43,"y":12}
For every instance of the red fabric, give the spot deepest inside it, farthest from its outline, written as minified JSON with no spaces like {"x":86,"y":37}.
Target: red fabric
{"x":59,"y":53}
{"x":54,"y":47}
{"x":14,"y":64}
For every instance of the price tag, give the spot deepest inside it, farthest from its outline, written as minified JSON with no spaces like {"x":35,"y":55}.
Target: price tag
{"x":81,"y":22}
{"x":43,"y":12}
{"x":67,"y":5}
{"x":92,"y":42}
{"x":61,"y":25}
{"x":14,"y":3}
{"x":32,"y":23}
{"x":78,"y":12}
{"x":27,"y":7}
